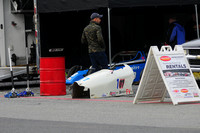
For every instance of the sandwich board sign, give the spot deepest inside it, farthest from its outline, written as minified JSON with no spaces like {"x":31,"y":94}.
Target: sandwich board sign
{"x":167,"y":70}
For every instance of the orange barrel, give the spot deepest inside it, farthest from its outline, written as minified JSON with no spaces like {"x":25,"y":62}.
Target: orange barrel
{"x":52,"y":76}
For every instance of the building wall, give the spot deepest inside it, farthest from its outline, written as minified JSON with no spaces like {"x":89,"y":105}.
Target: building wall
{"x":2,"y":35}
{"x":14,"y":35}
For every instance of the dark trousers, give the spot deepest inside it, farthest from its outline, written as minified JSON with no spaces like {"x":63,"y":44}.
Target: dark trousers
{"x":99,"y":60}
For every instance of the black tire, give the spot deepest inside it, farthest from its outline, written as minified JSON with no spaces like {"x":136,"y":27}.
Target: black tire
{"x":23,"y":77}
{"x":73,"y":70}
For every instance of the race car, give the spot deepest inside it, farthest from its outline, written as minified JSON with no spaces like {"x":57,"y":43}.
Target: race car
{"x":135,"y":59}
{"x":192,"y":51}
{"x":105,"y":83}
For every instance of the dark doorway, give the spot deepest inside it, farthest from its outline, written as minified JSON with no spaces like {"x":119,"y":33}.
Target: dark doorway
{"x":131,"y":29}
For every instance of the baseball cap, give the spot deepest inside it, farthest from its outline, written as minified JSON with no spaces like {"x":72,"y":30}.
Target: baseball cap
{"x":95,"y":15}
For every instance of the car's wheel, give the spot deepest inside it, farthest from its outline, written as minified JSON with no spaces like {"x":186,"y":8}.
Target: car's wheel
{"x":73,"y":70}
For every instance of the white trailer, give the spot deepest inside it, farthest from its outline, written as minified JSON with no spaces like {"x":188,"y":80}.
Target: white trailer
{"x":16,"y":31}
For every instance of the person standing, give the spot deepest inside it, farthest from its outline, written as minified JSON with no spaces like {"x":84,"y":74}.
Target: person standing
{"x":176,"y":33}
{"x":92,"y":36}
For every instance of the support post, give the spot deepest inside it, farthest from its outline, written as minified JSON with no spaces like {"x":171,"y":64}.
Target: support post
{"x":109,"y":37}
{"x":197,"y":20}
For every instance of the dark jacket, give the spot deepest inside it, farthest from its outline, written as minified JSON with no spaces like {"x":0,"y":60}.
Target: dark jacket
{"x":175,"y":34}
{"x":92,"y":36}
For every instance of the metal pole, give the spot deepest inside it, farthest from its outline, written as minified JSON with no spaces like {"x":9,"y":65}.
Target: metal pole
{"x":27,"y":63}
{"x":197,"y":21}
{"x":37,"y":35}
{"x":109,"y":37}
{"x":11,"y":71}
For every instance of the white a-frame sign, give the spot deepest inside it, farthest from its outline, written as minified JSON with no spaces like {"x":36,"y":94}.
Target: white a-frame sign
{"x":169,"y":70}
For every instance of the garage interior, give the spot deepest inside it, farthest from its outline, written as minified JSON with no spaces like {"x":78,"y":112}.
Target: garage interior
{"x":132,"y":29}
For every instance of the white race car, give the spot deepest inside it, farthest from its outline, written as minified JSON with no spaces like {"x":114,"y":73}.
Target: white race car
{"x":105,"y":83}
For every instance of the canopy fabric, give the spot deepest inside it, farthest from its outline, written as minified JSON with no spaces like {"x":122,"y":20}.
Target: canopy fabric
{"x":134,"y":3}
{"x":45,"y":6}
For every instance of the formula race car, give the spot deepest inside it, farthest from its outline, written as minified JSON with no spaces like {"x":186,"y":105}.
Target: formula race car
{"x":135,"y":59}
{"x":105,"y":83}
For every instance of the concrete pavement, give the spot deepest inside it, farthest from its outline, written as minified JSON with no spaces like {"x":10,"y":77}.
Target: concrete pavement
{"x":114,"y":114}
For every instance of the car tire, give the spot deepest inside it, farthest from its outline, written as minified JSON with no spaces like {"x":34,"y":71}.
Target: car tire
{"x":73,"y":70}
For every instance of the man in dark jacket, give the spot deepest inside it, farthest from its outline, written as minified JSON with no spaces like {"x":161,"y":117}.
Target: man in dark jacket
{"x":176,"y":33}
{"x":92,"y":36}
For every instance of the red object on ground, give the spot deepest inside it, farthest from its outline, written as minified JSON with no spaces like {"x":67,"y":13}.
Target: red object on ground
{"x":52,"y":76}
